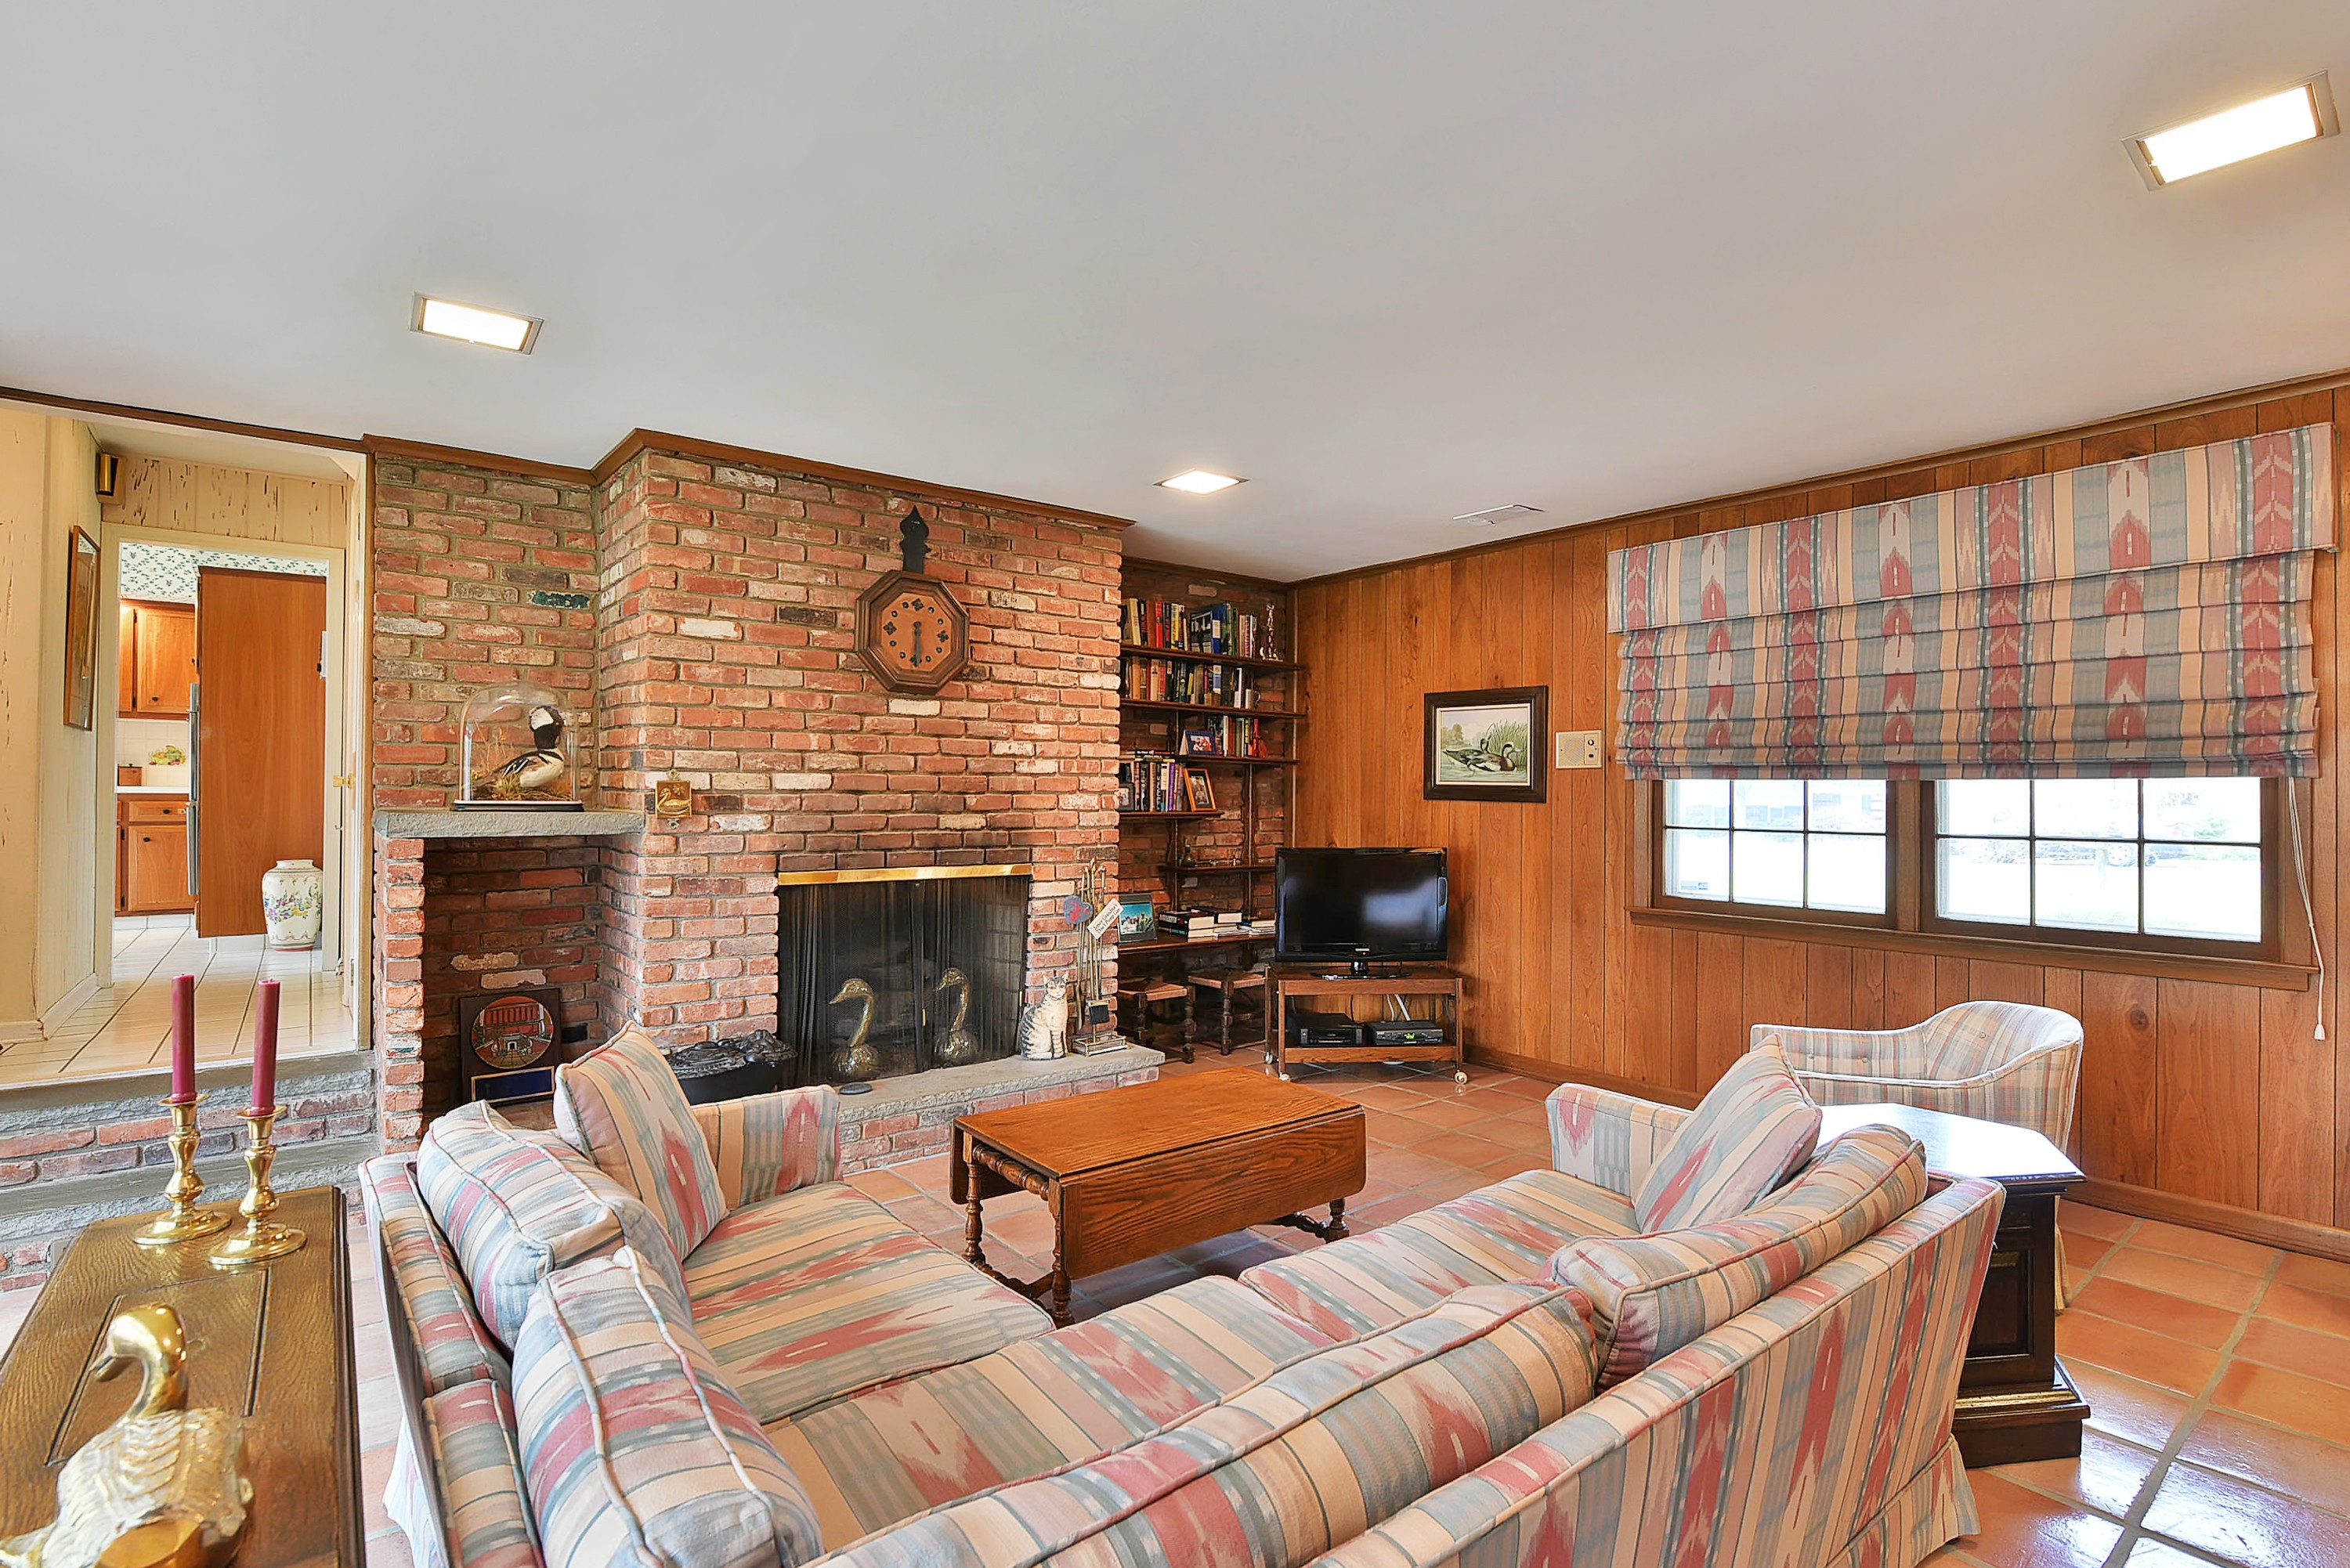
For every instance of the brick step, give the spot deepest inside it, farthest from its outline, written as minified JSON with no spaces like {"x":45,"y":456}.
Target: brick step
{"x":75,"y":1152}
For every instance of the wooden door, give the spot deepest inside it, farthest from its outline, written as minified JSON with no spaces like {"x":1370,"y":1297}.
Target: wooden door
{"x":167,"y":660}
{"x":261,"y":738}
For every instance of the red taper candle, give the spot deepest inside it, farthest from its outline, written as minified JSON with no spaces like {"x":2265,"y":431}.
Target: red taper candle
{"x":183,"y":1039}
{"x":265,"y":1049}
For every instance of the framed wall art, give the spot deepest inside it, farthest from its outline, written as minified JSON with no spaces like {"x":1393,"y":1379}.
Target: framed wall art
{"x":1486,"y":745}
{"x":81,"y":629}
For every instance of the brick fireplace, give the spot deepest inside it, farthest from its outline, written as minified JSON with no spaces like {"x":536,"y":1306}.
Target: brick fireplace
{"x":695,"y":605}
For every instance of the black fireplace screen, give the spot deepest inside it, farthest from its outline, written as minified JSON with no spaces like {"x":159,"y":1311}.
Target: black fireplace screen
{"x":884,"y":978}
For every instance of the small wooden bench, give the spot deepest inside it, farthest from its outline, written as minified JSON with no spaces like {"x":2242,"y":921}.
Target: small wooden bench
{"x":1135,"y":1001}
{"x":1225,"y":986}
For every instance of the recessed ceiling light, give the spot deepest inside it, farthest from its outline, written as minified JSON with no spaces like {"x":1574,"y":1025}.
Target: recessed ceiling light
{"x":2302,"y":112}
{"x":1514,"y":511}
{"x":475,"y":324}
{"x":1199,"y":481}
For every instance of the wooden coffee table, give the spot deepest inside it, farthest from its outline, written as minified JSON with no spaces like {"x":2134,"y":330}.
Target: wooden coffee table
{"x":1127,"y":1174}
{"x":2016,"y":1401}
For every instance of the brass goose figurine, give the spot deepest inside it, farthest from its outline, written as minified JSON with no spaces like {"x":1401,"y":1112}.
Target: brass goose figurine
{"x":164,"y":1486}
{"x":857,"y":1060}
{"x":962,"y":1045}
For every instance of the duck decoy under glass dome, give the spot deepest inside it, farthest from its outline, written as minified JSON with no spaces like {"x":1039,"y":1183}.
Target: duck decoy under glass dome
{"x":516,"y":752}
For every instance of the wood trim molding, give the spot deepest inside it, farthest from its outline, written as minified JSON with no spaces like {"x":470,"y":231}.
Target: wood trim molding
{"x":1987,"y":950}
{"x":2225,"y":1219}
{"x":1547,"y":1072}
{"x":1179,"y":569}
{"x":639,"y":441}
{"x":185,"y":422}
{"x":378,"y":447}
{"x":2187,"y":408}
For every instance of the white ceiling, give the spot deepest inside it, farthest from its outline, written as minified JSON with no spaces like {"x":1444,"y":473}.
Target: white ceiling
{"x":1390,"y":261}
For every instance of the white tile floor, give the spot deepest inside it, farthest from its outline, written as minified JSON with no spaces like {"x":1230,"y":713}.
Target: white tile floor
{"x":128,"y":1027}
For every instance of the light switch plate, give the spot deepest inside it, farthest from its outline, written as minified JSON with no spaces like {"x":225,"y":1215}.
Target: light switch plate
{"x":1576,"y":749}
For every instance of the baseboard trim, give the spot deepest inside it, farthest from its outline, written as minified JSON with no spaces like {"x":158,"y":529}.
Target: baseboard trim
{"x":71,"y":1002}
{"x":2224,"y":1219}
{"x":1549,"y":1072}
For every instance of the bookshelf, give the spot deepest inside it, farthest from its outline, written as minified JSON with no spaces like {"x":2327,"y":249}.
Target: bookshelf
{"x":1206,"y":691}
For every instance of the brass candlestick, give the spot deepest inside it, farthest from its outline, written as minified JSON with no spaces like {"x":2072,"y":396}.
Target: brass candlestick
{"x":183,"y":1222}
{"x":260,"y":1238}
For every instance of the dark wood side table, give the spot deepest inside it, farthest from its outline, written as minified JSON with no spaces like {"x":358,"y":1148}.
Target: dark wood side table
{"x":1127,"y":1174}
{"x":2016,"y":1401}
{"x":271,"y":1344}
{"x":1291,"y":984}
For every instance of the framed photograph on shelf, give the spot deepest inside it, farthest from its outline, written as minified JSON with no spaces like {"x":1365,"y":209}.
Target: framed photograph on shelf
{"x":1138,"y":920}
{"x":1486,"y":745}
{"x":1199,"y":791}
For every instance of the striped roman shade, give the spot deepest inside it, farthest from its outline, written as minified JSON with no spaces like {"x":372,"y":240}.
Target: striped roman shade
{"x":2146,"y":618}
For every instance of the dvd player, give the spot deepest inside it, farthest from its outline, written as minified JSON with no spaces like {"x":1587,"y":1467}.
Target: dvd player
{"x":1325,"y":1029}
{"x":1406,"y":1032}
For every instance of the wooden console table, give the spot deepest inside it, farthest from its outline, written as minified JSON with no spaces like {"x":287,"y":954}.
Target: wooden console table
{"x":1442,"y":983}
{"x":2016,"y":1401}
{"x":1127,"y":1174}
{"x":271,"y":1343}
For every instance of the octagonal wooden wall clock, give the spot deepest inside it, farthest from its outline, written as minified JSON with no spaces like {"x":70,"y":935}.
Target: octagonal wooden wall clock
{"x":911,"y":631}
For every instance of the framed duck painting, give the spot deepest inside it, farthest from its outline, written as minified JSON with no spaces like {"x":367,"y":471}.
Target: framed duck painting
{"x":1486,"y":745}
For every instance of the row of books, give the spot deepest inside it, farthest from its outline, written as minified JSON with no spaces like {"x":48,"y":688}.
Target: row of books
{"x":1161,"y":783}
{"x":1167,"y":680}
{"x":1221,"y":628}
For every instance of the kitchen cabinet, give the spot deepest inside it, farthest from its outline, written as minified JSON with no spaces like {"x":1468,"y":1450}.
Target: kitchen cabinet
{"x":151,"y":855}
{"x":158,"y":655}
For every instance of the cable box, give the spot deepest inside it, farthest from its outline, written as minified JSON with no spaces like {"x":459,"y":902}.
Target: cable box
{"x":1404,"y":1032}
{"x":1310,"y":1029}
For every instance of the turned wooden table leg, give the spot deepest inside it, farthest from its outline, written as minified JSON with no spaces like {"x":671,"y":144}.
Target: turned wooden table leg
{"x":1060,"y":1307}
{"x":1337,"y":1220}
{"x":973,"y":1252}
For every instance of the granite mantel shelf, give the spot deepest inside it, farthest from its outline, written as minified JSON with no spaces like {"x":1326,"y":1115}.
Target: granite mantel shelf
{"x":509,"y":823}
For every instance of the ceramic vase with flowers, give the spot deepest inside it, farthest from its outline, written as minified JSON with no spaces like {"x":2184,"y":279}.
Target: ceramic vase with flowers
{"x":292,"y":903}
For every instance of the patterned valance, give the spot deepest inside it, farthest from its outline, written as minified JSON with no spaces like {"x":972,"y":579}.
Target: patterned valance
{"x":2143,"y":618}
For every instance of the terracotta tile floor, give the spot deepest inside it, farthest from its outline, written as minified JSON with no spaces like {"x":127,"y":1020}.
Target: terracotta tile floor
{"x":2220,"y":1372}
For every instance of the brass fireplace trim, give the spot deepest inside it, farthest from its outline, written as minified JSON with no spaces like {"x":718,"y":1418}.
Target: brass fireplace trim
{"x":898,"y":874}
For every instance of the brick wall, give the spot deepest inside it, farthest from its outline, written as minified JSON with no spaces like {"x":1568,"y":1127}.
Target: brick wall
{"x":1143,"y":844}
{"x":480,"y":576}
{"x":727,"y":612}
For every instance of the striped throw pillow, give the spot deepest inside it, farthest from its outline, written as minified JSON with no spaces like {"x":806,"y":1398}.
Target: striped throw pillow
{"x":516,"y":1206}
{"x":1652,"y":1294}
{"x":1752,"y":1130}
{"x":636,"y":1451}
{"x":621,"y":1103}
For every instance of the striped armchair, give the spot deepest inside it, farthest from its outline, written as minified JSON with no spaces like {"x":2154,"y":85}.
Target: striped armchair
{"x":2001,"y":1060}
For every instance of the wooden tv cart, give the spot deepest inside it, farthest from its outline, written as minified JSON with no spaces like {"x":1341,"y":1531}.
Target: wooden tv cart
{"x":1291,"y":984}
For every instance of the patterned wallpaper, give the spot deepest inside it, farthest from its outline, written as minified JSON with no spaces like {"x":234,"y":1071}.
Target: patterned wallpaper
{"x":166,"y":573}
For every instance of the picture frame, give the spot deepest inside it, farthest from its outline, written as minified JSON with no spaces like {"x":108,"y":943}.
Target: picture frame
{"x":81,"y":630}
{"x":1197,"y":791}
{"x":1138,"y":920}
{"x":1490,"y":746}
{"x":511,"y":1042}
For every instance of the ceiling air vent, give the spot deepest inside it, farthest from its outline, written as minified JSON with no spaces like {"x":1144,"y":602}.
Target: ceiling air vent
{"x":1514,"y":513}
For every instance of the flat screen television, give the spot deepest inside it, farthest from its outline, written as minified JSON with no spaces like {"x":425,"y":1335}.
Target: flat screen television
{"x":1360,"y":907}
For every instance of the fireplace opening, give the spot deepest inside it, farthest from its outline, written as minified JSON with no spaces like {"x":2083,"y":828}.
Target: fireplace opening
{"x":888,"y":973}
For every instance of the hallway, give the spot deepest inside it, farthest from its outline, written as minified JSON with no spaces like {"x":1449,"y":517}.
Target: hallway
{"x":128,"y":1028}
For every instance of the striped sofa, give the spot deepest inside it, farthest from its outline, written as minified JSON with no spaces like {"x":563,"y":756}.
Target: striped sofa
{"x":1475,"y":1385}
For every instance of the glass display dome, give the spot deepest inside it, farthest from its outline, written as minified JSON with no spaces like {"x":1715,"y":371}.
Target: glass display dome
{"x":516,"y":752}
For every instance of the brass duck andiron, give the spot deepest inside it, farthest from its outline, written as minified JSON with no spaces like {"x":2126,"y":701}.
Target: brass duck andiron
{"x":962,"y":1045}
{"x":856,"y":1060}
{"x":164,"y":1486}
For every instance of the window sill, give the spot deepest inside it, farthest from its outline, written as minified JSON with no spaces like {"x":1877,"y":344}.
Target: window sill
{"x":1989,"y":949}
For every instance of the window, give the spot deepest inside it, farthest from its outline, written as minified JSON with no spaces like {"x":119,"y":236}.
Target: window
{"x":2166,"y":865}
{"x":2171,"y":858}
{"x":1818,"y":847}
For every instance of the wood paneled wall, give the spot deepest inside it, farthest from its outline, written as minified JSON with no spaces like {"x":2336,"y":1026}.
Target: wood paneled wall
{"x":189,"y":497}
{"x":2192,"y":1087}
